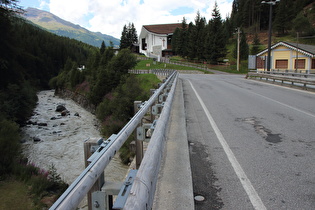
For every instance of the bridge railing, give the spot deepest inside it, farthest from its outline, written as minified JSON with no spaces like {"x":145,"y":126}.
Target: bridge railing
{"x":163,"y":72}
{"x":293,"y":79}
{"x":142,"y":192}
{"x":293,"y":73}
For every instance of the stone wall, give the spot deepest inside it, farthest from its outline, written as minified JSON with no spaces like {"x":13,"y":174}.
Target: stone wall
{"x":78,"y":98}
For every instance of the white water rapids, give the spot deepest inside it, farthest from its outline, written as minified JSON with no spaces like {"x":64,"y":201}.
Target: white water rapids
{"x":61,"y":141}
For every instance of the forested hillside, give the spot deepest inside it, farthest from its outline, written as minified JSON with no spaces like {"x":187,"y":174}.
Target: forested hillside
{"x":254,"y":15}
{"x":29,"y":58}
{"x":215,"y":40}
{"x":32,"y":59}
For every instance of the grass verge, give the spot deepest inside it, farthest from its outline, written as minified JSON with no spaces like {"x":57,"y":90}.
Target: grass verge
{"x":150,"y":64}
{"x":229,"y":69}
{"x":148,"y":81}
{"x":15,"y":195}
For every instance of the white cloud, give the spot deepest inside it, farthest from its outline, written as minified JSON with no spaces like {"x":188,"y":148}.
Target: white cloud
{"x":110,"y":16}
{"x":72,"y":11}
{"x":43,"y":4}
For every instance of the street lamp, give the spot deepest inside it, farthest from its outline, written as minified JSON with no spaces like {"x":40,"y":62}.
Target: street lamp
{"x":238,"y":50}
{"x":271,"y":3}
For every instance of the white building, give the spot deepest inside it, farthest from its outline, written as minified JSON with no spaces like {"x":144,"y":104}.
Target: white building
{"x":155,"y":40}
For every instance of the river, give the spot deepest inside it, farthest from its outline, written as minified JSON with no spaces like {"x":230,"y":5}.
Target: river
{"x":59,"y":139}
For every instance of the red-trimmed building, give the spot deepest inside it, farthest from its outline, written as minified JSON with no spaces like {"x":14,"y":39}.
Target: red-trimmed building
{"x":287,"y":56}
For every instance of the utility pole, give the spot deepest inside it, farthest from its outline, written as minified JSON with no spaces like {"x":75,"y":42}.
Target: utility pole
{"x":269,"y":38}
{"x":297,"y":52}
{"x":238,"y":50}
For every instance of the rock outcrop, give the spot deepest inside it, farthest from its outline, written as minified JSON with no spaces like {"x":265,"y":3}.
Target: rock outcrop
{"x":78,"y":98}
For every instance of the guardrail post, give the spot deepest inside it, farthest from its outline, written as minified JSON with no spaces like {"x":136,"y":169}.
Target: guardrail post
{"x":152,"y":117}
{"x":90,"y":146}
{"x":139,"y":144}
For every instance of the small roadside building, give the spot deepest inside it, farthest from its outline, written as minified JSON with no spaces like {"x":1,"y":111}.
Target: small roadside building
{"x":155,"y":40}
{"x":288,"y":57}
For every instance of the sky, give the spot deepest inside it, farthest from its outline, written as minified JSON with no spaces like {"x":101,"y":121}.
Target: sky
{"x":110,"y":16}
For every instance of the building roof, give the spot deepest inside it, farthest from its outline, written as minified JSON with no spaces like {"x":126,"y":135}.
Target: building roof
{"x":305,"y":47}
{"x":308,"y":50}
{"x":163,"y":28}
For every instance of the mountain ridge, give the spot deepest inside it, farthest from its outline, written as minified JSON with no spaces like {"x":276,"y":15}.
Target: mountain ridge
{"x":65,"y":28}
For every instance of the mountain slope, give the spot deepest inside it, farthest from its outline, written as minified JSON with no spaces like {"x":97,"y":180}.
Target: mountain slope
{"x":61,"y":27}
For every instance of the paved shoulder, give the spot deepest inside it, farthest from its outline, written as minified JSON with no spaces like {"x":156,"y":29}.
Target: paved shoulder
{"x":174,"y":188}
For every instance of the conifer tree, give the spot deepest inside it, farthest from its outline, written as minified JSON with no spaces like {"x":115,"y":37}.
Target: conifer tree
{"x":103,"y":47}
{"x":216,"y":39}
{"x":283,"y":17}
{"x":124,"y":43}
{"x":176,"y":46}
{"x":8,"y":8}
{"x":199,"y":36}
{"x":133,"y":34}
{"x":302,"y":25}
{"x":184,"y":37}
{"x":244,"y":48}
{"x":228,"y":28}
{"x":179,"y":39}
{"x":256,"y":45}
{"x":128,"y":36}
{"x":235,"y":13}
{"x":191,"y":46}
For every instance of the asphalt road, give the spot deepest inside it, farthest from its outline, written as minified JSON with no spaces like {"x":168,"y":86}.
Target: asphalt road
{"x":251,"y":144}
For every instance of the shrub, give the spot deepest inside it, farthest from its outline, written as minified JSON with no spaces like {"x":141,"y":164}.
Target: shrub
{"x":125,"y":153}
{"x":42,"y":182}
{"x":9,"y":145}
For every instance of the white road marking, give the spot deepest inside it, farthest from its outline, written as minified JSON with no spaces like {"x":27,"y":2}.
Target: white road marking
{"x":247,"y":185}
{"x":283,"y":104}
{"x":286,"y":105}
{"x":281,"y":86}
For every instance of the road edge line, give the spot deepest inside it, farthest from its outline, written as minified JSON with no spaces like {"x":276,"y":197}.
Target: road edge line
{"x":246,"y":183}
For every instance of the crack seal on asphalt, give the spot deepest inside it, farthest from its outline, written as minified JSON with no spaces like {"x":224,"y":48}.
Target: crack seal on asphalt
{"x":261,"y":130}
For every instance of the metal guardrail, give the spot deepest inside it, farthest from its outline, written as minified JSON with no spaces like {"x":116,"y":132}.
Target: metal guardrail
{"x":164,"y":72}
{"x":142,"y":192}
{"x":288,"y":73}
{"x":72,"y":197}
{"x":292,"y":80}
{"x":197,"y":66}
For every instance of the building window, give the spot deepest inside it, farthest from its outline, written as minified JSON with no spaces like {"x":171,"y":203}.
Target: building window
{"x":281,"y":64}
{"x":299,"y":64}
{"x":313,"y":64}
{"x":169,"y":42}
{"x":260,"y":62}
{"x":144,"y":45}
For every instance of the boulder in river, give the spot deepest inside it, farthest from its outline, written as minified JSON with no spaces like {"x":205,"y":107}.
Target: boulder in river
{"x":42,"y":124}
{"x":30,"y":122}
{"x":65,"y":113}
{"x":36,"y":139}
{"x":60,"y":108}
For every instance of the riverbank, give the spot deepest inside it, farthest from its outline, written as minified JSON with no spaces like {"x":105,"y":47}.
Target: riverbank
{"x":50,"y":138}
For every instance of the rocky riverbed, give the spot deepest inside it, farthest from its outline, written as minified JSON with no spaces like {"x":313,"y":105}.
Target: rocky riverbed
{"x":56,"y":137}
